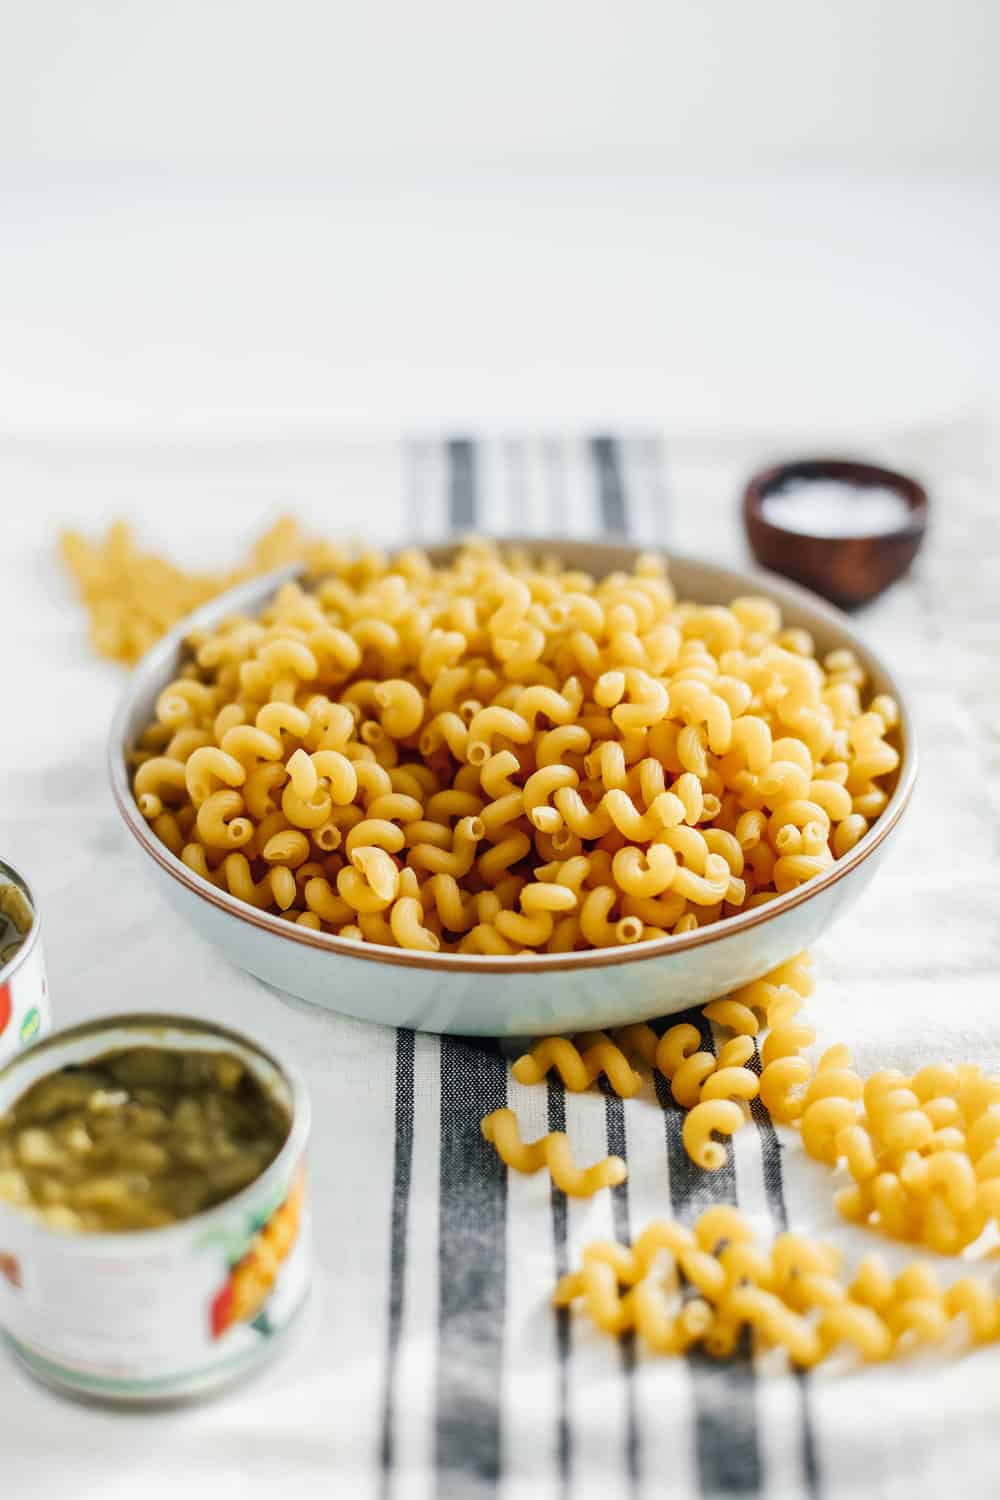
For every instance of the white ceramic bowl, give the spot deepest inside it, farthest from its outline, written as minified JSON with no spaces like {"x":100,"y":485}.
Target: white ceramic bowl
{"x":525,"y":994}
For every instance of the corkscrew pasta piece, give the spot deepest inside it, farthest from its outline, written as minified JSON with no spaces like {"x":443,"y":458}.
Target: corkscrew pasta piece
{"x":854,"y":1146}
{"x":968,"y":1298}
{"x":631,"y":1264}
{"x":785,"y":1038}
{"x":719,"y":1226}
{"x":731,"y":1083}
{"x":774,"y":1321}
{"x":719,"y":1116}
{"x":597,"y":1285}
{"x":638,"y":1040}
{"x":596,"y":924}
{"x":553,"y":1151}
{"x":686,"y":1083}
{"x":407,"y":924}
{"x":650,"y":1307}
{"x":219,"y":823}
{"x":733,"y":1015}
{"x":821,"y":1124}
{"x":578,"y":1070}
{"x":677,"y":1043}
{"x":783,"y":1086}
{"x":644,"y":873}
{"x":858,"y":1326}
{"x":665,"y":1328}
{"x":736,"y":1053}
{"x":832,"y":1081}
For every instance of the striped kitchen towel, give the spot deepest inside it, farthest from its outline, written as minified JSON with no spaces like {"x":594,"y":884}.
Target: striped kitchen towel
{"x":523,"y":1397}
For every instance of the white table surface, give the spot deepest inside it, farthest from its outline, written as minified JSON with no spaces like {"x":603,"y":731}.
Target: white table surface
{"x":910,"y":973}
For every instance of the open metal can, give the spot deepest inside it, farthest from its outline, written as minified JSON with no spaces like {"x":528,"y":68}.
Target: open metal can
{"x":167,"y":1313}
{"x":24,"y":995}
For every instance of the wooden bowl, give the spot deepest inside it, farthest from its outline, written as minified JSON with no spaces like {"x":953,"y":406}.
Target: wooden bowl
{"x":849,"y":570}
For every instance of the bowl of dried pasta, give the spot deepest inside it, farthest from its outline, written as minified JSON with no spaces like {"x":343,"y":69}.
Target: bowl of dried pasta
{"x":512,"y":788}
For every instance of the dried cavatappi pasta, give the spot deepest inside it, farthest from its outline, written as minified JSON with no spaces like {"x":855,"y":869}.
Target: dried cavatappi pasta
{"x":499,"y":756}
{"x":715,"y":1088}
{"x":579,"y":1068}
{"x":134,"y":597}
{"x":679,"y":1286}
{"x":553,"y":1151}
{"x":922,"y":1150}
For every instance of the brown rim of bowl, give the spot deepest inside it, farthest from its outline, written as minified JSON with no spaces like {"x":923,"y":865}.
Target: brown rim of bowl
{"x":474,"y":963}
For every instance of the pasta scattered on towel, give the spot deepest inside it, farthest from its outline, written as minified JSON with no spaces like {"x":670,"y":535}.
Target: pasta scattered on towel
{"x":677,"y":1287}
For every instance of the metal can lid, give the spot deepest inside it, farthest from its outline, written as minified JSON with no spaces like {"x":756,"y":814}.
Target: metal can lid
{"x":19,"y":920}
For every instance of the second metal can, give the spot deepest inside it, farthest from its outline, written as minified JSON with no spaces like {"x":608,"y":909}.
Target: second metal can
{"x":160,"y":1314}
{"x":24,"y":993}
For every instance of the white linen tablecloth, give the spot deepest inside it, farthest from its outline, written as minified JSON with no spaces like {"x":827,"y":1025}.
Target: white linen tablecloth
{"x":430,"y":1363}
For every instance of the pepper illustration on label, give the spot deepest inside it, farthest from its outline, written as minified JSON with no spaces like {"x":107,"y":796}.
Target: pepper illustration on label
{"x":6,"y":1007}
{"x":10,"y":1268}
{"x":251,"y":1278}
{"x":31,"y":1025}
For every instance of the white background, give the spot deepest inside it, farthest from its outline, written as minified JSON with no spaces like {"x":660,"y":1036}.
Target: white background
{"x":447,"y":85}
{"x":232,"y":220}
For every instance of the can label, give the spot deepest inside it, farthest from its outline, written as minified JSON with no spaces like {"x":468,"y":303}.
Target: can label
{"x":123,"y":1321}
{"x":24,"y":1004}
